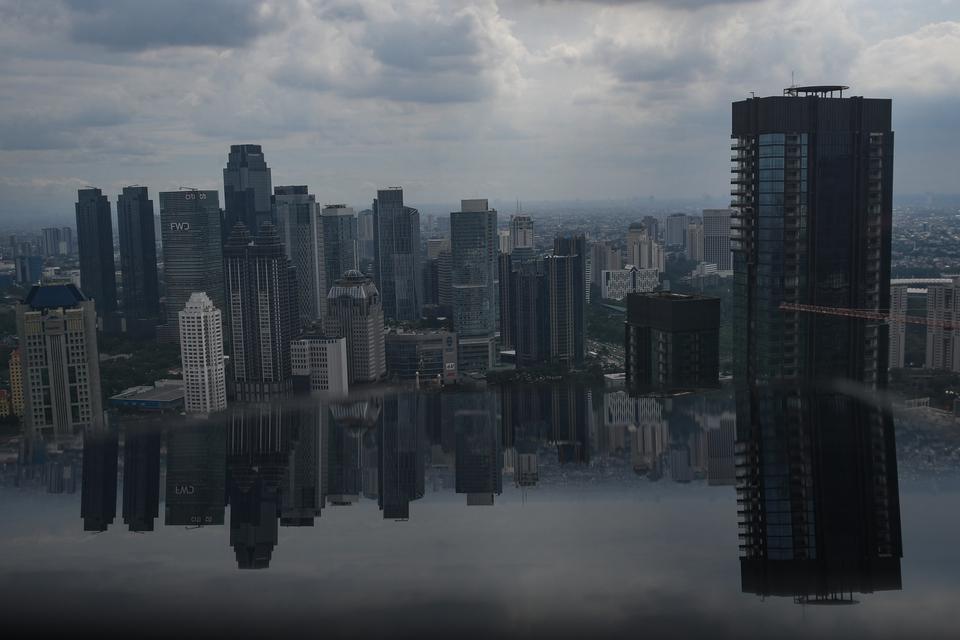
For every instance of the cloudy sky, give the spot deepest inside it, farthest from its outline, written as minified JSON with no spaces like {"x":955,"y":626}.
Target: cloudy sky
{"x":530,"y":99}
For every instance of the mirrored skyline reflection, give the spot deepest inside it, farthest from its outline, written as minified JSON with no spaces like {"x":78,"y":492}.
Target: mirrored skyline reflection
{"x":596,"y":507}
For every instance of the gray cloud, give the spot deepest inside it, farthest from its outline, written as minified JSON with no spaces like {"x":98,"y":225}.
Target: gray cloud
{"x":137,"y":25}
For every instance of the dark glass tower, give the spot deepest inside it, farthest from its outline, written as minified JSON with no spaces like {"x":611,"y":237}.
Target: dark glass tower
{"x":401,"y":470}
{"x":246,"y":188}
{"x":138,"y":254}
{"x":98,"y":277}
{"x":98,"y":492}
{"x":262,"y":291}
{"x":192,"y":251}
{"x":397,"y":261}
{"x":141,"y":476}
{"x":817,"y":490}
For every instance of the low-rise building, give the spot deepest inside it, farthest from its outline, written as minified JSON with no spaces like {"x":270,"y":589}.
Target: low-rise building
{"x":617,"y":284}
{"x":422,"y":355}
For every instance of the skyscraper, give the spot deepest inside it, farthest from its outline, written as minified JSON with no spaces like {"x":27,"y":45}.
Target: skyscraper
{"x":51,"y":241}
{"x":57,"y":328}
{"x":943,"y":343}
{"x":676,"y":230}
{"x":643,"y":251}
{"x":356,"y":314}
{"x":567,"y":278}
{"x":262,"y":289}
{"x":716,"y":238}
{"x":298,"y":222}
{"x":98,"y":491}
{"x":138,"y":255}
{"x":397,"y":261}
{"x":141,"y":476}
{"x":521,"y":232}
{"x":196,"y":474}
{"x":812,"y":185}
{"x":192,"y":251}
{"x":201,"y":356}
{"x":319,"y":365}
{"x":95,"y":236}
{"x":479,"y":458}
{"x":473,"y":240}
{"x":340,"y":241}
{"x":16,"y":382}
{"x":899,"y":306}
{"x":695,"y":241}
{"x":246,"y":188}
{"x":366,"y":243}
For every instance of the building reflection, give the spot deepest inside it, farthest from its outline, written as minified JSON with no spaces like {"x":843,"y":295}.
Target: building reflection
{"x":817,"y":496}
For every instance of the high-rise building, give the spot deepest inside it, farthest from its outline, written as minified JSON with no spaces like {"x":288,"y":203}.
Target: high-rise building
{"x":301,"y":233}
{"x":95,"y":235}
{"x":262,"y":289}
{"x":319,"y":365}
{"x":812,"y":186}
{"x":138,"y":255}
{"x":676,"y":230}
{"x":503,"y":241}
{"x":67,"y":246}
{"x":366,"y":242}
{"x":51,"y":241}
{"x":397,"y":261}
{"x":812,"y":199}
{"x":16,"y":383}
{"x":201,"y":356}
{"x":899,"y":307}
{"x":521,"y":232}
{"x":567,"y":278}
{"x":652,"y":225}
{"x":246,"y":188}
{"x":694,"y":249}
{"x":29,"y":269}
{"x":340,"y":241}
{"x":401,"y":468}
{"x":196,"y":474}
{"x":479,"y":458}
{"x":192,"y":251}
{"x":943,"y":313}
{"x":672,"y":341}
{"x":57,"y":328}
{"x":716,"y":238}
{"x":425,"y":356}
{"x":473,"y":243}
{"x":603,"y":257}
{"x":98,"y":489}
{"x":643,"y":251}
{"x":356,"y":314}
{"x":617,"y":284}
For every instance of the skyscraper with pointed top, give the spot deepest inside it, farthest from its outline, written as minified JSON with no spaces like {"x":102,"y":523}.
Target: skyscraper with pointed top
{"x":138,"y":256}
{"x":95,"y":237}
{"x":246,"y":188}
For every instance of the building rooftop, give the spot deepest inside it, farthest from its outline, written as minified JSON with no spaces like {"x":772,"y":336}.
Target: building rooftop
{"x":54,"y":296}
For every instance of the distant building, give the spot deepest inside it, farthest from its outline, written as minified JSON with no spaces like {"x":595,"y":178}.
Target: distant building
{"x":473,"y":240}
{"x":192,"y":251}
{"x":427,"y":356}
{"x":57,"y":329}
{"x":51,"y":241}
{"x":301,"y":233}
{"x":262,"y":290}
{"x":340,"y":240}
{"x":201,"y":356}
{"x":899,"y":305}
{"x":16,"y":383}
{"x":603,"y":257}
{"x":366,"y":251}
{"x":695,"y":240}
{"x":162,"y":397}
{"x":672,"y":341}
{"x":566,"y":282}
{"x":95,"y":235}
{"x":676,"y":230}
{"x":479,"y":458}
{"x":29,"y":270}
{"x":196,"y":475}
{"x":319,"y":365}
{"x":356,"y":314}
{"x":643,"y":250}
{"x":138,"y":257}
{"x":943,"y":343}
{"x":246,"y":188}
{"x":67,"y":244}
{"x":521,"y":232}
{"x":615,"y":285}
{"x":716,"y":238}
{"x":397,"y":262}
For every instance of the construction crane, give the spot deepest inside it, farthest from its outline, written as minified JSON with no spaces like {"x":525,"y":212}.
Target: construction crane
{"x":867,"y":314}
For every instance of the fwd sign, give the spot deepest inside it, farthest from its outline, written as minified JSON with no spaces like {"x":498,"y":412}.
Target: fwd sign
{"x":179,"y":226}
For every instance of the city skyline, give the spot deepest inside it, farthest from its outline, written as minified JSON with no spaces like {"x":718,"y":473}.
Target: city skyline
{"x":638,"y":90}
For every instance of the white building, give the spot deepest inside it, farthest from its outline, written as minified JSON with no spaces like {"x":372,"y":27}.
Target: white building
{"x":899,"y":295}
{"x":201,"y":356}
{"x":319,"y":364}
{"x":521,"y":232}
{"x":943,"y":306}
{"x":615,"y":285}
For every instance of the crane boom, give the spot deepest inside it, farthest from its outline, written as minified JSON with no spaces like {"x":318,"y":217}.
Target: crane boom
{"x":867,"y":314}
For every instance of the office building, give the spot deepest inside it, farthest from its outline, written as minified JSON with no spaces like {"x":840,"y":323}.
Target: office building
{"x":67,"y":245}
{"x":29,"y":269}
{"x":50,"y":241}
{"x":652,"y":225}
{"x":521,"y":232}
{"x":473,"y":243}
{"x":567,"y":299}
{"x":340,"y":241}
{"x":397,"y":260}
{"x":603,"y":257}
{"x":356,"y":313}
{"x":163,"y":396}
{"x":246,"y":188}
{"x":16,"y":383}
{"x":478,"y":457}
{"x":262,"y":290}
{"x":402,"y":468}
{"x":694,"y":249}
{"x":98,"y":489}
{"x":138,"y":256}
{"x":675,"y":231}
{"x":95,"y":239}
{"x":716,"y":238}
{"x":201,"y":356}
{"x":319,"y":365}
{"x":899,"y":306}
{"x":424,"y":356}
{"x":528,"y":320}
{"x":616,"y":285}
{"x":57,"y":330}
{"x":672,"y":341}
{"x":301,"y":233}
{"x":943,"y":313}
{"x":195,"y":492}
{"x":366,"y":251}
{"x":192,"y":251}
{"x":643,"y":250}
